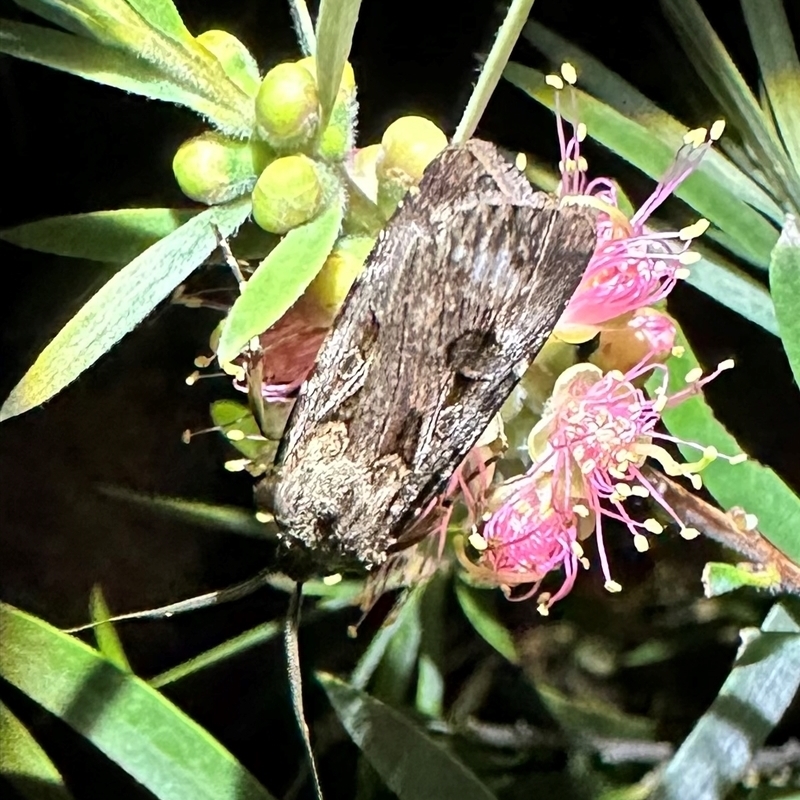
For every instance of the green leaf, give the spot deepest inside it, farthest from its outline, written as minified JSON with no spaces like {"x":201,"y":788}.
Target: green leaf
{"x":751,"y":702}
{"x":411,"y":764}
{"x":112,"y":236}
{"x":478,"y":609}
{"x":335,"y":598}
{"x":24,"y":765}
{"x":492,"y":68}
{"x":784,"y":281}
{"x":734,"y":288}
{"x":230,"y":519}
{"x":396,"y":669}
{"x":718,"y":71}
{"x":431,"y":661}
{"x":582,"y":717}
{"x":753,"y":235}
{"x":122,"y":304}
{"x":105,"y":634}
{"x":303,"y":26}
{"x":237,"y":418}
{"x":719,"y":578}
{"x":279,"y":281}
{"x":771,"y":36}
{"x":195,"y":80}
{"x":406,"y":620}
{"x":127,"y":720}
{"x":336,"y":23}
{"x":163,"y":15}
{"x":750,"y":485}
{"x":615,"y":91}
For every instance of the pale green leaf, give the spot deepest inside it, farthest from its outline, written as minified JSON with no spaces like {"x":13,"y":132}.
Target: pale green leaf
{"x":477,"y":607}
{"x":784,"y":281}
{"x":410,"y":763}
{"x":734,"y":288}
{"x":24,"y":765}
{"x":336,"y":23}
{"x":750,"y":485}
{"x":279,"y":281}
{"x":720,"y":578}
{"x":771,"y":36}
{"x":123,"y":717}
{"x":105,"y":634}
{"x":718,"y":71}
{"x":113,"y":236}
{"x":194,"y":80}
{"x":717,"y":753}
{"x":303,"y":26}
{"x":122,"y":304}
{"x":492,"y":68}
{"x":635,"y":143}
{"x":615,"y":91}
{"x":163,"y":15}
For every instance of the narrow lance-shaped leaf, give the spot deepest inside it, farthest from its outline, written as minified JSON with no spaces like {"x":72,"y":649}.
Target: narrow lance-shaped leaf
{"x":613,"y":90}
{"x":784,"y":282}
{"x":113,"y":236}
{"x":335,"y":26}
{"x":410,"y":763}
{"x":771,"y":35}
{"x":279,"y":280}
{"x":476,"y":605}
{"x":121,"y":305}
{"x":632,"y":141}
{"x":717,"y":69}
{"x":750,"y":485}
{"x":209,"y":92}
{"x":23,"y":763}
{"x":754,"y":697}
{"x":163,"y":15}
{"x":135,"y":726}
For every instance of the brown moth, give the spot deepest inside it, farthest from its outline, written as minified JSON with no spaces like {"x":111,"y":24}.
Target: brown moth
{"x":463,"y":287}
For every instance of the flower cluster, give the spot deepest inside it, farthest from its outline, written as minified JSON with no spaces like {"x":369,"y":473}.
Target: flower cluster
{"x":599,"y":426}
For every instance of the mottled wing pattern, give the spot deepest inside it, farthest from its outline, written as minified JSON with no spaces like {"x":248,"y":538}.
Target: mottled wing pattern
{"x":462,"y":289}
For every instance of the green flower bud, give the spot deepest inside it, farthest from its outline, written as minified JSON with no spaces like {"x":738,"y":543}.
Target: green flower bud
{"x":288,"y":193}
{"x":339,"y":136}
{"x":341,"y":268}
{"x":235,"y":58}
{"x":211,"y":168}
{"x":409,"y":144}
{"x":287,"y":107}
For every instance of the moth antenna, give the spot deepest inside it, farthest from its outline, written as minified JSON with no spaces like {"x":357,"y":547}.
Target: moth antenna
{"x":234,"y":592}
{"x":290,"y":639}
{"x":230,"y":259}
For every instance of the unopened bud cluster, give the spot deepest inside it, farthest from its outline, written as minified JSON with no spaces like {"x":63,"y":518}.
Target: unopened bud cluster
{"x":294,"y":163}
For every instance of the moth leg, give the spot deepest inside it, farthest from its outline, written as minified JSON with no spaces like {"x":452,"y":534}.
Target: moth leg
{"x":235,"y":592}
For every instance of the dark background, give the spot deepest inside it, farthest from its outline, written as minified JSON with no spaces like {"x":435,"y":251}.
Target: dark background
{"x":72,"y":146}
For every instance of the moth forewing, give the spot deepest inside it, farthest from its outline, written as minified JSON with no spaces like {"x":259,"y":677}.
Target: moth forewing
{"x":462,"y":289}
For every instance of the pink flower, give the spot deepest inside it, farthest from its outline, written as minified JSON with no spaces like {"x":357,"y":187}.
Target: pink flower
{"x":632,"y":266}
{"x":527,"y":537}
{"x":587,"y":451}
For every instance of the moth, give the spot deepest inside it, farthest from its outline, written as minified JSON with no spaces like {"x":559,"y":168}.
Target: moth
{"x":461,"y":290}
